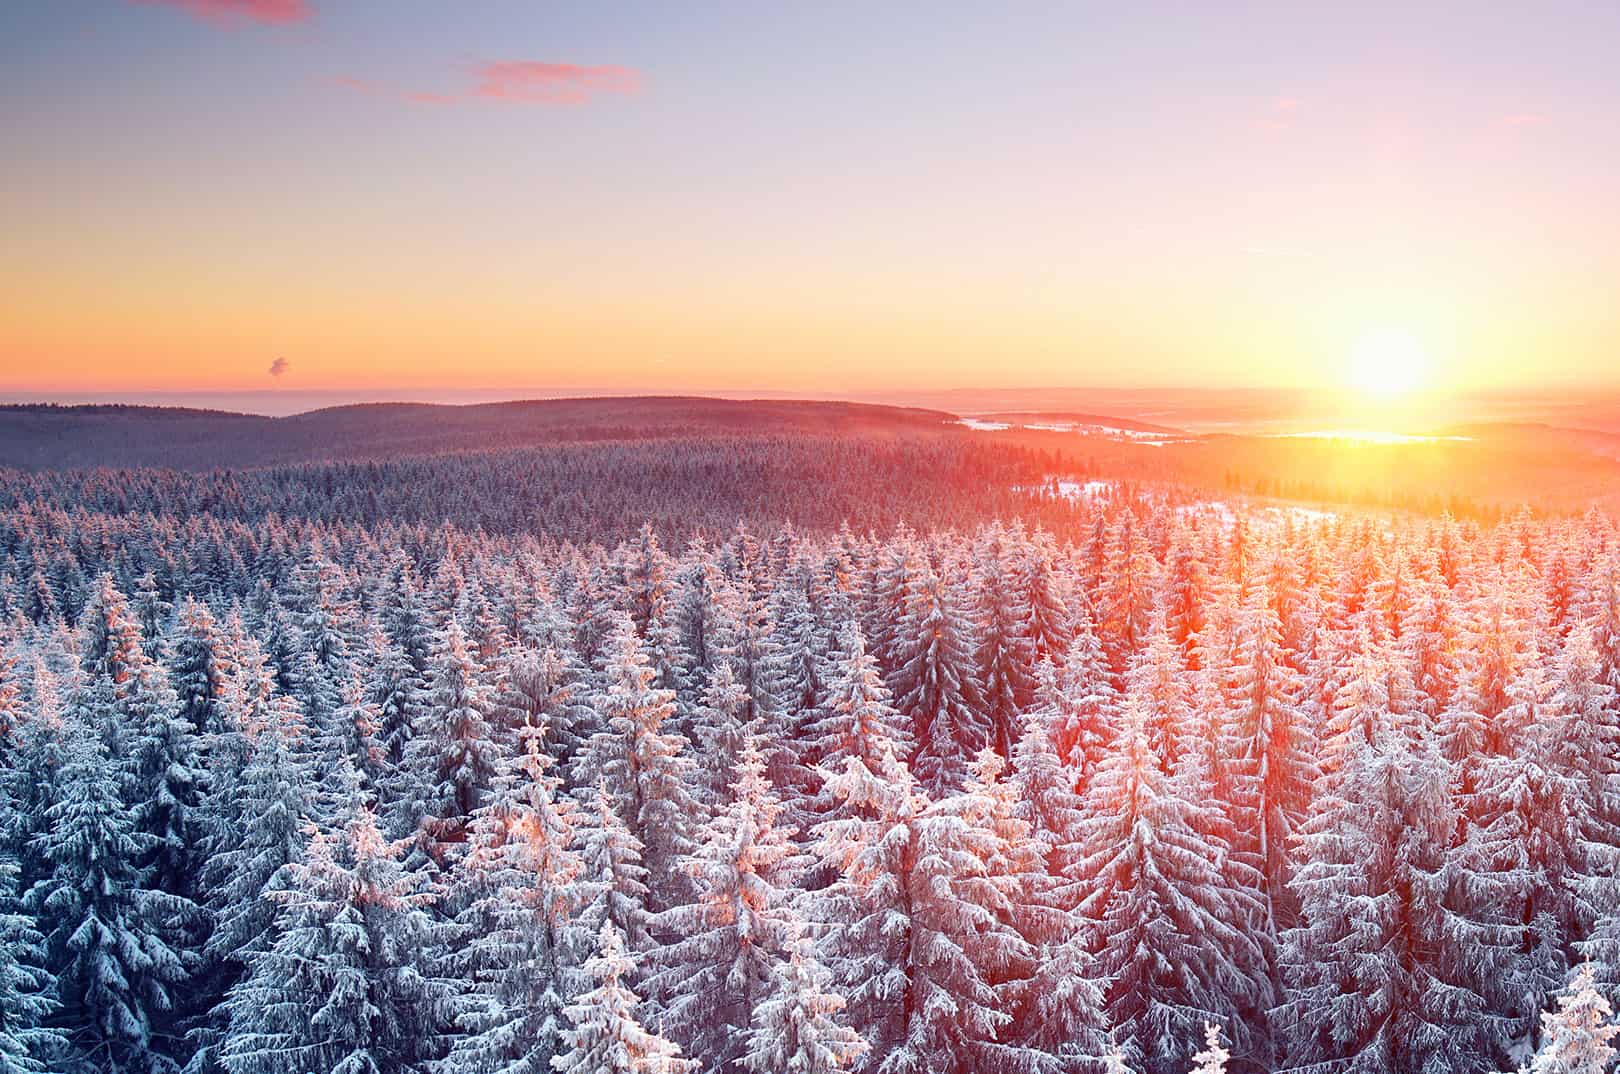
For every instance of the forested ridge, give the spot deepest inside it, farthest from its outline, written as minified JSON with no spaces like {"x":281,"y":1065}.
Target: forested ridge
{"x":303,"y":778}
{"x":600,"y":491}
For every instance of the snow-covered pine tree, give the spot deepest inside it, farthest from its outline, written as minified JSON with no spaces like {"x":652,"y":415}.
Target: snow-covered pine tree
{"x":1276,"y":771}
{"x":517,"y":938}
{"x":1576,"y":1037}
{"x":796,"y":1027}
{"x":863,"y":916}
{"x":1004,"y":651}
{"x":607,"y":1035}
{"x":922,"y":929}
{"x":1045,"y":797}
{"x":267,"y":808}
{"x":859,"y":720}
{"x":452,"y":759}
{"x":106,"y":927}
{"x":646,"y":767}
{"x":543,"y":693}
{"x":1381,"y":974}
{"x":198,"y":666}
{"x":1170,"y":932}
{"x":28,"y":991}
{"x":1064,"y":1022}
{"x":1085,"y":700}
{"x":719,"y":731}
{"x":614,"y":882}
{"x":727,"y":942}
{"x":1038,"y":577}
{"x":933,"y":684}
{"x":346,"y":986}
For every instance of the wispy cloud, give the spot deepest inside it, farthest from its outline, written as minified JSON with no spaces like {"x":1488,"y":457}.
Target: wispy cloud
{"x":228,"y":11}
{"x":533,"y":82}
{"x":522,"y":82}
{"x":1278,"y":113}
{"x":1523,"y":119}
{"x":279,"y":366}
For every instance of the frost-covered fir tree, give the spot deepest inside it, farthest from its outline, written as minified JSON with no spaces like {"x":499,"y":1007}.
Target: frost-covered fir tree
{"x":727,"y":942}
{"x":1540,"y":862}
{"x":646,"y":767}
{"x":863,"y":915}
{"x":1169,"y":927}
{"x":1381,"y":973}
{"x":608,"y":1035}
{"x":107,"y":928}
{"x":1083,"y":700}
{"x":1004,"y":649}
{"x":860,"y":721}
{"x":198,"y":666}
{"x":451,"y":760}
{"x":28,"y":991}
{"x":1576,"y":1037}
{"x":921,"y":926}
{"x":720,"y":729}
{"x":796,"y":1027}
{"x":1276,"y":772}
{"x":1046,"y":799}
{"x":346,"y":986}
{"x":1064,"y":1017}
{"x":517,"y":938}
{"x":933,"y":684}
{"x":614,"y":882}
{"x":268,"y":807}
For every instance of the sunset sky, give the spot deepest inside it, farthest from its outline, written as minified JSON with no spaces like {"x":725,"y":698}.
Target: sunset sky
{"x":524,"y":196}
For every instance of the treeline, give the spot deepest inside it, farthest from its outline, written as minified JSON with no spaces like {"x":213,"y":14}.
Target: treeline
{"x":601,"y":491}
{"x":289,"y":795}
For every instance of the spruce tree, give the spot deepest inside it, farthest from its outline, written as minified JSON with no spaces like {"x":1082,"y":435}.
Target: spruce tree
{"x":517,"y":939}
{"x":728,"y":941}
{"x":107,"y":928}
{"x":608,"y":1036}
{"x":346,"y":985}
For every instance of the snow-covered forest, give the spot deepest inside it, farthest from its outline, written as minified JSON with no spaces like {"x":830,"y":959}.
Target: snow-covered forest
{"x":1161,"y":788}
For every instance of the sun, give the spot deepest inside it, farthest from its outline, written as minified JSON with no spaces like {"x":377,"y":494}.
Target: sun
{"x":1388,"y":362}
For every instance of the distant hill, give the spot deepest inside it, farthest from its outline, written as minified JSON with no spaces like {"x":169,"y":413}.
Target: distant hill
{"x":39,"y":436}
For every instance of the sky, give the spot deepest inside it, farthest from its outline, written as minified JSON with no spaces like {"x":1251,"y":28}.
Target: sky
{"x":519,"y":196}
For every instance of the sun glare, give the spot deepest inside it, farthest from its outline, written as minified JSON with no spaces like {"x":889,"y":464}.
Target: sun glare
{"x":1387,"y":363}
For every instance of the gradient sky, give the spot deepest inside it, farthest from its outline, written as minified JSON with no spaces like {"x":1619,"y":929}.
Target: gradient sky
{"x":526,"y":195}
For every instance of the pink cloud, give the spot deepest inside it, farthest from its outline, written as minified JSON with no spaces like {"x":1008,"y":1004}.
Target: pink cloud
{"x":514,"y":82}
{"x":1278,"y":113}
{"x":266,"y":11}
{"x":533,"y":82}
{"x":1523,"y":119}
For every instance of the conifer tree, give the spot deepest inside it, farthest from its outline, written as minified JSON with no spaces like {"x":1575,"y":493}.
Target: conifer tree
{"x":1004,"y":650}
{"x":607,"y":1035}
{"x":451,"y":760}
{"x":106,"y":927}
{"x":518,"y":936}
{"x":614,"y":883}
{"x":934,"y":688}
{"x":1381,"y":973}
{"x":1277,"y":772}
{"x":727,"y":943}
{"x":28,"y":991}
{"x":345,"y":987}
{"x":646,"y":767}
{"x":796,"y":1028}
{"x":1576,"y":1037}
{"x":1170,"y":929}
